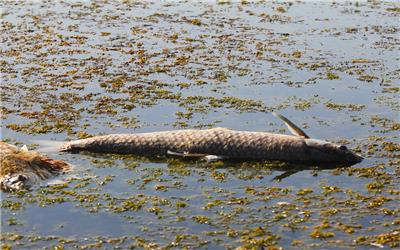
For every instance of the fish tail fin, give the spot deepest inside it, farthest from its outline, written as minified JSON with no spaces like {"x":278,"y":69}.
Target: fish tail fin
{"x":47,"y":146}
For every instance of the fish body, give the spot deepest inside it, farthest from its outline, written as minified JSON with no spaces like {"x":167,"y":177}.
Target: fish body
{"x":227,"y":143}
{"x":21,"y":169}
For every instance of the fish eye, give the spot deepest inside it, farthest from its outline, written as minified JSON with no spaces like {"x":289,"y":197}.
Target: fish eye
{"x":343,"y":147}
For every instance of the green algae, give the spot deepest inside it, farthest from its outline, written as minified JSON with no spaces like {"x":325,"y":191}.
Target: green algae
{"x":332,"y":76}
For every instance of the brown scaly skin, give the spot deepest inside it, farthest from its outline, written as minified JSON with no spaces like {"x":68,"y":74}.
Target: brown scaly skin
{"x":20,"y":169}
{"x":230,"y":144}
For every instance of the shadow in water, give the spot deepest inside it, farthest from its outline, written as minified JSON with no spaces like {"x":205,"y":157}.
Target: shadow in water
{"x":288,"y":168}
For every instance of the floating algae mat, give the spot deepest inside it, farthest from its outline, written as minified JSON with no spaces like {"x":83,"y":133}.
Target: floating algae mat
{"x":71,"y":70}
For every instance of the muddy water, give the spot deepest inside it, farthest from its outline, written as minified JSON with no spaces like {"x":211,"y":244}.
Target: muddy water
{"x":71,"y":70}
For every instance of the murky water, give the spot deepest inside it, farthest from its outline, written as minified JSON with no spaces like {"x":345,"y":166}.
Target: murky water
{"x":71,"y":70}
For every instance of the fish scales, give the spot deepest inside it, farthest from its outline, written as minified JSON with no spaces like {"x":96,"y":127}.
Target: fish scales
{"x":217,"y":141}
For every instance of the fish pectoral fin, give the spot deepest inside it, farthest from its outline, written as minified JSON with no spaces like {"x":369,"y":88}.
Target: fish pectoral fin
{"x":291,"y":126}
{"x":169,"y":152}
{"x":214,"y":157}
{"x":205,"y":157}
{"x":184,"y":154}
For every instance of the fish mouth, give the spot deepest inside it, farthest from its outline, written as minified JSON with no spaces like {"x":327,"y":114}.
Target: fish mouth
{"x":355,"y":158}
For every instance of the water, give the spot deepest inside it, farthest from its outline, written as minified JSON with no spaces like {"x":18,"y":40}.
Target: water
{"x":121,"y":67}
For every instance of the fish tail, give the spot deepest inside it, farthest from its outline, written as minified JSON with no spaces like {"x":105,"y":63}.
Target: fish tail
{"x":47,"y":146}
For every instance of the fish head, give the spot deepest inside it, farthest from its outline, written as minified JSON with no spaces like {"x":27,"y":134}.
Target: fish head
{"x":323,"y":151}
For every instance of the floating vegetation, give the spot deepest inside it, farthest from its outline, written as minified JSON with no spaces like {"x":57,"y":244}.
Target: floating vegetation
{"x":332,"y":76}
{"x":339,"y":106}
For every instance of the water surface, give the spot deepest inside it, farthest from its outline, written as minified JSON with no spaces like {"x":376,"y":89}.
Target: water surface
{"x":75,"y":69}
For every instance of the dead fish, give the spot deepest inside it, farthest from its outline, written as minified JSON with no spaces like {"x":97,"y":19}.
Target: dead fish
{"x":22,"y":169}
{"x":221,"y":143}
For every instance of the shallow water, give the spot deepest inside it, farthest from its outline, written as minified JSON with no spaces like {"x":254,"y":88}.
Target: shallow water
{"x":71,"y":70}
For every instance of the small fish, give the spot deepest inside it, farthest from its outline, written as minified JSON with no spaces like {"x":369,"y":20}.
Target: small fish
{"x":21,"y":169}
{"x":221,"y":143}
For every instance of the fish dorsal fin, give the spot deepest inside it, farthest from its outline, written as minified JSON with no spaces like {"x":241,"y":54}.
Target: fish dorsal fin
{"x":291,"y":126}
{"x":24,"y":148}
